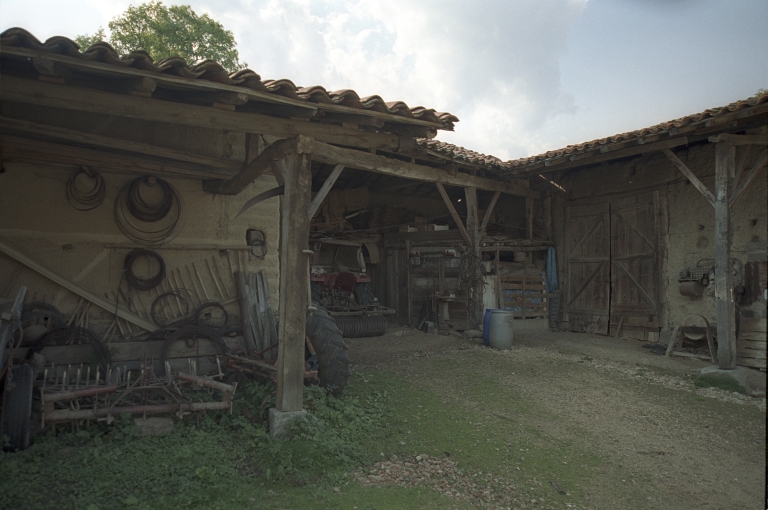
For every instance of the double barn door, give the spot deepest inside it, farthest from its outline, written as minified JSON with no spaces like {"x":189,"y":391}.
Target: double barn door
{"x":612,"y":253}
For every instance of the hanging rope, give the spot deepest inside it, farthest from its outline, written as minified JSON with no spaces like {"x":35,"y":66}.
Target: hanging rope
{"x":148,"y":222}
{"x":85,"y":199}
{"x":143,"y":283}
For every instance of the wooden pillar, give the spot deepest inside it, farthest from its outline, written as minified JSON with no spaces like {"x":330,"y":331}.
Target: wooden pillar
{"x":408,"y":280}
{"x":529,"y":217}
{"x":294,"y":235}
{"x":725,"y":161}
{"x":548,"y":214}
{"x":476,"y":292}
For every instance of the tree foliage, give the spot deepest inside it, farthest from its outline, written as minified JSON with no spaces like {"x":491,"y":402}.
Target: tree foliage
{"x":170,"y":31}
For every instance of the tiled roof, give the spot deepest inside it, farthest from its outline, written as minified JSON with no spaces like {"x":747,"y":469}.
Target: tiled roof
{"x":457,"y":153}
{"x":461,"y":154}
{"x":212,"y":71}
{"x":659,"y":129}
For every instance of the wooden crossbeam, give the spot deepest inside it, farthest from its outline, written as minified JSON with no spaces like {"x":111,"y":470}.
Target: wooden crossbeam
{"x":691,"y":177}
{"x":351,"y":158}
{"x":72,"y":135}
{"x":123,"y":105}
{"x":256,"y":167}
{"x":76,"y":288}
{"x":327,"y":185}
{"x":740,"y":139}
{"x":454,"y":214}
{"x":489,"y":211}
{"x":759,"y":165}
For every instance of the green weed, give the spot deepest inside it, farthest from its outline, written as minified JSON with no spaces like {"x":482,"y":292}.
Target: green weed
{"x":723,"y":383}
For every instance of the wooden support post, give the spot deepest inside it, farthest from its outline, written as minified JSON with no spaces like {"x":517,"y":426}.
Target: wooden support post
{"x":529,"y":217}
{"x":524,"y":297}
{"x":408,"y":278}
{"x":499,"y":289}
{"x":454,"y":214}
{"x":548,"y":214}
{"x":294,"y":235}
{"x":725,"y":160}
{"x":476,"y":291}
{"x":489,"y":211}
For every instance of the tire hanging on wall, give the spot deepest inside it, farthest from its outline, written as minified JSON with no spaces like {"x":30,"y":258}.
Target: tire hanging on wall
{"x":332,"y":357}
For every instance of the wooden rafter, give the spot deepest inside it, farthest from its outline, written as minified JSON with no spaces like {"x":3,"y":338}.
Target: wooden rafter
{"x":350,"y":158}
{"x":125,"y":105}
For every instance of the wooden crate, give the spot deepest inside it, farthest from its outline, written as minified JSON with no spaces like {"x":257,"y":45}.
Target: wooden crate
{"x":525,"y":284}
{"x":751,"y":343}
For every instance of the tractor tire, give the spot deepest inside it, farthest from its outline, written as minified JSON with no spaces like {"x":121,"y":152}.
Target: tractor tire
{"x":17,"y":408}
{"x":317,"y":294}
{"x":332,"y":357}
{"x":364,"y":294}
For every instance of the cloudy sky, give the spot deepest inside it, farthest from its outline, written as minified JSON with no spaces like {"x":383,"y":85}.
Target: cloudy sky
{"x":524,"y":77}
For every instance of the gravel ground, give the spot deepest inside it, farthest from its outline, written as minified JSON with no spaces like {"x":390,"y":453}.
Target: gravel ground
{"x":483,"y":490}
{"x":668,"y":443}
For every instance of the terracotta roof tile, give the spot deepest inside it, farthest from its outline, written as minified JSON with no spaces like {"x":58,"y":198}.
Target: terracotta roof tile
{"x":661,"y":128}
{"x":213,"y":71}
{"x":460,"y":154}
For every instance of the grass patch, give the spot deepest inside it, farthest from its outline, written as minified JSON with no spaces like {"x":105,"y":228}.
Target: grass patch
{"x":715,"y":381}
{"x":222,"y":461}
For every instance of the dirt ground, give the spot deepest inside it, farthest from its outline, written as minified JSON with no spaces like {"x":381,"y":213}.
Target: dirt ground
{"x":663,"y":443}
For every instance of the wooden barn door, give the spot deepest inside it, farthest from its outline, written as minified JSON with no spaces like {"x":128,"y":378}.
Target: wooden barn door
{"x":635,"y":265}
{"x":588,"y":249}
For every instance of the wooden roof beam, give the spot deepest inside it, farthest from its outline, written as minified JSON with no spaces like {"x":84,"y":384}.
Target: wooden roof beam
{"x":366,"y":161}
{"x":259,"y":165}
{"x":77,"y":98}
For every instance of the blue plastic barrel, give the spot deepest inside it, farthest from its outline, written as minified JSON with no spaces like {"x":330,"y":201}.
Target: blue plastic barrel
{"x":487,"y":325}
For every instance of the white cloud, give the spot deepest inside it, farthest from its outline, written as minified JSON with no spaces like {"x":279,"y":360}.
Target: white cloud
{"x":494,"y":64}
{"x":524,"y":76}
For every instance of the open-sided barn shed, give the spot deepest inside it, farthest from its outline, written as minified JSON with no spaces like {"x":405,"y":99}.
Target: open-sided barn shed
{"x":446,"y":232}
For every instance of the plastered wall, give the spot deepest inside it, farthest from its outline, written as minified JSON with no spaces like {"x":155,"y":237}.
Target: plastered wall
{"x":687,"y":219}
{"x":36,"y":218}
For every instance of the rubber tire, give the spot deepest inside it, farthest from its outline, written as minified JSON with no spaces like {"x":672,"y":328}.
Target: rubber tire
{"x":200,"y":333}
{"x":364,"y":294}
{"x":17,"y":408}
{"x":331,"y":351}
{"x":317,"y":294}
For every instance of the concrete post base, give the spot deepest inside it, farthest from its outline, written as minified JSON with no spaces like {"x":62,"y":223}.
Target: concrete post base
{"x":279,"y":421}
{"x":739,"y":374}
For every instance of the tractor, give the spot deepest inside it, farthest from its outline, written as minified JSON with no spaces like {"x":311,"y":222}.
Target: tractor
{"x":340,"y":284}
